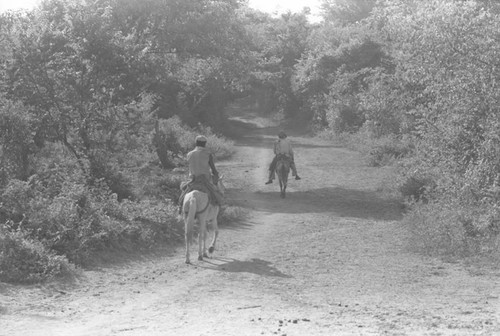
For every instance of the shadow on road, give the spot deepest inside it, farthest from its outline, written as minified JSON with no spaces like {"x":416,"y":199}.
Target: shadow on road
{"x":336,"y":200}
{"x":255,"y":266}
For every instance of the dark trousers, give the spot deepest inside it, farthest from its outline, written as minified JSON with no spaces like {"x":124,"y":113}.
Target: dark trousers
{"x":272,"y":168}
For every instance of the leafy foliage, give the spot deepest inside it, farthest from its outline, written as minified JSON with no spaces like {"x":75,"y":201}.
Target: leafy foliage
{"x":420,"y":83}
{"x":100,"y":99}
{"x":25,"y":261}
{"x":84,"y":88}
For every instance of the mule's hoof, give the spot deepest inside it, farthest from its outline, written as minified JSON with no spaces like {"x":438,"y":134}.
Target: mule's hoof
{"x":211,"y":249}
{"x":200,"y":258}
{"x":205,"y":255}
{"x":188,"y":262}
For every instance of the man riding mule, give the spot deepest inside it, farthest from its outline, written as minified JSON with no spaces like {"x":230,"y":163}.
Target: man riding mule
{"x":202,"y":173}
{"x":201,"y":198}
{"x":282,"y":149}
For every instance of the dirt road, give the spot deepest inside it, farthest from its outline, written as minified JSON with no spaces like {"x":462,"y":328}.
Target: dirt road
{"x":330,"y":259}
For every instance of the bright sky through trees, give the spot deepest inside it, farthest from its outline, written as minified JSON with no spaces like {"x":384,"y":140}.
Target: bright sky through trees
{"x":16,"y":4}
{"x":269,"y":6}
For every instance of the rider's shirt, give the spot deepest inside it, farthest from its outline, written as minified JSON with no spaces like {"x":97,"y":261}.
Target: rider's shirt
{"x":283,"y":146}
{"x":198,"y":162}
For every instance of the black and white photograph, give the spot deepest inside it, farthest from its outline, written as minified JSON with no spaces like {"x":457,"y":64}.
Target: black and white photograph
{"x":249,"y":167}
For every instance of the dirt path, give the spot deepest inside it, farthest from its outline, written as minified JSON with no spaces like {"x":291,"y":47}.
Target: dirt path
{"x":330,"y":259}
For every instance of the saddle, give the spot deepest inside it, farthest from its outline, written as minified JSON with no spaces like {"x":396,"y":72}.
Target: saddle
{"x":283,"y":157}
{"x":200,"y":183}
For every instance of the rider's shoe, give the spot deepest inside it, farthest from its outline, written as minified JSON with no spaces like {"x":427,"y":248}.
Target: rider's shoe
{"x":298,"y":177}
{"x":269,"y":182}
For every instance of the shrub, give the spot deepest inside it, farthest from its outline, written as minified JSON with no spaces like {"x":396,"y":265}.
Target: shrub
{"x":80,"y":222}
{"x":162,"y":186}
{"x":344,"y":118}
{"x":102,"y":169}
{"x":377,"y":151}
{"x":14,"y":200}
{"x":416,"y":187}
{"x":449,"y":228}
{"x":386,"y":151}
{"x":23,"y":260}
{"x":181,"y":139}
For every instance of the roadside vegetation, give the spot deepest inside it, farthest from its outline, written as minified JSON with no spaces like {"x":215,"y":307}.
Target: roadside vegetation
{"x":101,"y":100}
{"x":414,"y":85}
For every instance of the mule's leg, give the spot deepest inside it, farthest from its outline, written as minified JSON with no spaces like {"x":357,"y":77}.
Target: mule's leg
{"x":189,"y":218}
{"x":205,"y":236}
{"x":202,"y":236}
{"x":215,"y":227}
{"x":285,"y":181}
{"x":211,"y":249}
{"x":188,"y":236}
{"x":285,"y":184}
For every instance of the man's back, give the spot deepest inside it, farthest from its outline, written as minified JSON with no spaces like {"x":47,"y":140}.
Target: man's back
{"x":283,"y":146}
{"x":198,"y":162}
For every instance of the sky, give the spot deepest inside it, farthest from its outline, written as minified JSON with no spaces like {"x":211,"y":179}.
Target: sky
{"x":268,"y":6}
{"x":16,"y":4}
{"x":272,"y":6}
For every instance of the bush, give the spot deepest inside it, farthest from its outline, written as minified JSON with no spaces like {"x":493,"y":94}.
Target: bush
{"x":377,"y":151}
{"x":162,"y":186}
{"x":449,"y":228}
{"x":80,"y":222}
{"x":15,"y":198}
{"x":25,"y":261}
{"x":181,"y":140}
{"x":345,"y":118}
{"x":387,"y":150}
{"x":102,"y":170}
{"x":416,"y":188}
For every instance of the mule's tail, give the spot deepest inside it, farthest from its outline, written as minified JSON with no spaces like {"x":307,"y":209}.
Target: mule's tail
{"x":283,"y":172}
{"x":189,"y":219}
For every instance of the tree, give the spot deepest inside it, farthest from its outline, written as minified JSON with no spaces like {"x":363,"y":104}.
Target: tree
{"x":344,"y":12}
{"x":278,"y":45}
{"x":333,"y":73}
{"x":445,"y":53}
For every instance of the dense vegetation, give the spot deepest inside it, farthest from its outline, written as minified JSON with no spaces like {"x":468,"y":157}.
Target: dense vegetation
{"x":100,"y":99}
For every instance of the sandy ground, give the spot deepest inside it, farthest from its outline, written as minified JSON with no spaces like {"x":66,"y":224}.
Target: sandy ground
{"x":330,"y":259}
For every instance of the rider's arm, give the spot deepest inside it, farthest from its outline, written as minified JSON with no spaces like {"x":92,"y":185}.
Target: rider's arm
{"x":275,"y":149}
{"x":212,"y":165}
{"x":188,"y":159}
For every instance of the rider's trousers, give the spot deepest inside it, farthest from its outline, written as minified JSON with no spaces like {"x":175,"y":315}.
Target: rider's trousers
{"x":272,"y":168}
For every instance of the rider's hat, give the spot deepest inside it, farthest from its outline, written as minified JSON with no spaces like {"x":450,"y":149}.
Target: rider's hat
{"x":281,"y":135}
{"x":201,"y":138}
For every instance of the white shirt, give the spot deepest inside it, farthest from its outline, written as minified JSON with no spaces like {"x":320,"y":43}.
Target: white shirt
{"x":283,"y":146}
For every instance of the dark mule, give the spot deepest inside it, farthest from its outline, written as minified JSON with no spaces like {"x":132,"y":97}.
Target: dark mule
{"x":282,"y":170}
